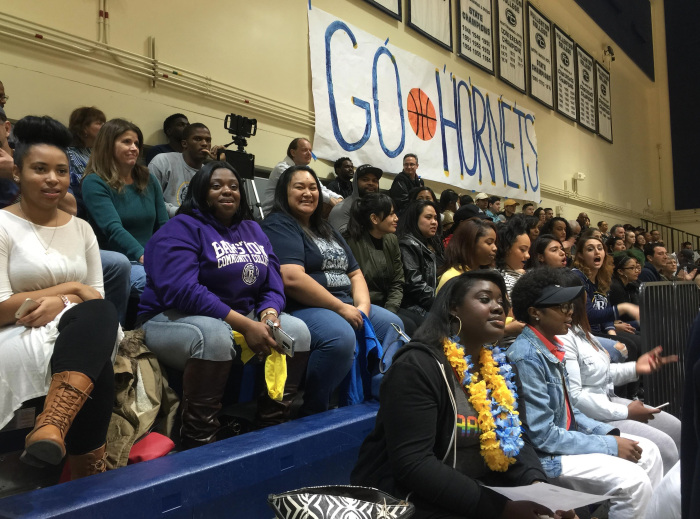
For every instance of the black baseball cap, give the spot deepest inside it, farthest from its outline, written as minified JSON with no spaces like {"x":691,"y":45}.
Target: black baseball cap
{"x":366,"y":169}
{"x":557,"y":294}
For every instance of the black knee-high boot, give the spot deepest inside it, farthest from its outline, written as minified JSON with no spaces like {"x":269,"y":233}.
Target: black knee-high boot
{"x":273,"y":412}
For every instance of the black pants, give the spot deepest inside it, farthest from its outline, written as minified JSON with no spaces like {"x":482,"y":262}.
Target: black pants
{"x":87,"y":334}
{"x":411,"y":320}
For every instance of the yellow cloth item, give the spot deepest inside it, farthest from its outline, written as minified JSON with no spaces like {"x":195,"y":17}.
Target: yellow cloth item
{"x":275,"y":367}
{"x":449,"y":274}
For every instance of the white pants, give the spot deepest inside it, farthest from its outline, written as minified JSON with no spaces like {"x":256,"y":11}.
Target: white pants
{"x":666,"y":502}
{"x":628,"y":485}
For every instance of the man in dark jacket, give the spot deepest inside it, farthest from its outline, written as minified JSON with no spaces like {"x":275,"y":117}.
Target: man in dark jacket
{"x":655,"y":254}
{"x":404,"y":182}
{"x":342,"y":184}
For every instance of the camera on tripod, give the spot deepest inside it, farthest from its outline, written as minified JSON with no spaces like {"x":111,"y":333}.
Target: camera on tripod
{"x":241,"y":128}
{"x":244,"y":163}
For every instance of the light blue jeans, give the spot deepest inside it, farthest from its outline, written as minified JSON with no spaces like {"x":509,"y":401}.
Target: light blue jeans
{"x":175,"y":337}
{"x":116,"y":275}
{"x":333,"y":342}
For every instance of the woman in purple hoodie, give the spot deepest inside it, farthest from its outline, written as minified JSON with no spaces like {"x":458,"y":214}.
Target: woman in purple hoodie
{"x":211,"y":270}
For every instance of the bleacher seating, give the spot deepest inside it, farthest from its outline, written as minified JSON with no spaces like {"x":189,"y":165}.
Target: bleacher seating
{"x":229,"y":478}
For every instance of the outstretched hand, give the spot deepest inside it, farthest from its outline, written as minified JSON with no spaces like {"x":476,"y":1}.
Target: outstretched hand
{"x":653,"y":361}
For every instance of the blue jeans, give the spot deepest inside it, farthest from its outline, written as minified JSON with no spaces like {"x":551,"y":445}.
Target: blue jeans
{"x":175,"y":337}
{"x":138,"y":279}
{"x":333,"y":351}
{"x":116,"y":272}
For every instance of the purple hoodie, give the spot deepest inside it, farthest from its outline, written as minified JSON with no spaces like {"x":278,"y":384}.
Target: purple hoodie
{"x":196,"y":265}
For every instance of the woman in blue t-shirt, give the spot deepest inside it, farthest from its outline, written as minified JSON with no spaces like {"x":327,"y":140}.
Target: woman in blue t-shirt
{"x":323,"y":283}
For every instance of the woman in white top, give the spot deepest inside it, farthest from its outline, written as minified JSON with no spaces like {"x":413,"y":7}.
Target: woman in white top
{"x":56,"y":331}
{"x":592,"y":377}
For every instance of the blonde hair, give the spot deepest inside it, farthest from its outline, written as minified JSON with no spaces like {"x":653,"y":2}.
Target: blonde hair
{"x":102,"y":162}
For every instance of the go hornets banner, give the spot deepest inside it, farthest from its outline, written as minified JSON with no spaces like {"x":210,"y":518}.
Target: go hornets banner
{"x":375,"y":102}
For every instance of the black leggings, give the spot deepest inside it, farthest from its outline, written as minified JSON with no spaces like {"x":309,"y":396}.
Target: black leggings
{"x":87,"y":334}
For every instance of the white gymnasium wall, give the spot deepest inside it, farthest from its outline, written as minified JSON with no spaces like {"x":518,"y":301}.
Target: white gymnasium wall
{"x":262,"y":47}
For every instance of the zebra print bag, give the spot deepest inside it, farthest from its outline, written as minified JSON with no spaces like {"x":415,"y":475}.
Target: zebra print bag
{"x":338,"y":502}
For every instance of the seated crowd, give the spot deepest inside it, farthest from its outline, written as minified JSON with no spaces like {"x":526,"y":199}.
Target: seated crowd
{"x":92,"y":236}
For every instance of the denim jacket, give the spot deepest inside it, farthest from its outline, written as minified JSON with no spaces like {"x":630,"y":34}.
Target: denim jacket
{"x":543,"y":407}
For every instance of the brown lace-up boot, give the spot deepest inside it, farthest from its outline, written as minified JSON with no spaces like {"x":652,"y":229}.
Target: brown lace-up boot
{"x":87,"y":464}
{"x":46,"y":443}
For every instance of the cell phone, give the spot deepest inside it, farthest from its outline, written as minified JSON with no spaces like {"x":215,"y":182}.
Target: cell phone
{"x":662,"y":405}
{"x":28,"y":306}
{"x":282,"y":338}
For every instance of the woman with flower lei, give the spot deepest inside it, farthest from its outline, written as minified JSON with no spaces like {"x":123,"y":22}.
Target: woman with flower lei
{"x":448,"y":422}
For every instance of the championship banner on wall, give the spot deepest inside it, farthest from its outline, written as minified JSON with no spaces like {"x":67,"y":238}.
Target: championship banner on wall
{"x":375,"y":102}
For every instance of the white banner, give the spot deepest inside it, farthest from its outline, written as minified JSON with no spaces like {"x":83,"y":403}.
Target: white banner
{"x":476,"y":36}
{"x":604,"y":110}
{"x":511,"y":42}
{"x":375,"y":102}
{"x":566,"y":73}
{"x":586,"y":91}
{"x":540,"y":39}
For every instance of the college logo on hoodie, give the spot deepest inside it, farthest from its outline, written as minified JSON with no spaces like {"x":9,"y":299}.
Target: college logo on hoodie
{"x":250,"y":274}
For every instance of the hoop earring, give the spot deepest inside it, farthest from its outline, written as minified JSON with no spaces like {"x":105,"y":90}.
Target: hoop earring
{"x":460,"y":324}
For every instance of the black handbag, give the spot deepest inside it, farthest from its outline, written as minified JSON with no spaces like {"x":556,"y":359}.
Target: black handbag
{"x":338,"y":502}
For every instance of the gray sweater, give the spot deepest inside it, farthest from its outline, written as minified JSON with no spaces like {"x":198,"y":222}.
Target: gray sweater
{"x":174,"y":176}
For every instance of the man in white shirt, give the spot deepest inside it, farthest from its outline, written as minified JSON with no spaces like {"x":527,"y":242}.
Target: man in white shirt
{"x":298,"y":154}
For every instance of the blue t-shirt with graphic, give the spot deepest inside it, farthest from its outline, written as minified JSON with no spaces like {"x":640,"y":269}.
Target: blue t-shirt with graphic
{"x":328,"y":262}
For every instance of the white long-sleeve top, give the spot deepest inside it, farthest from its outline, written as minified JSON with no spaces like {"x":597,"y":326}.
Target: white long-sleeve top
{"x":592,"y":376}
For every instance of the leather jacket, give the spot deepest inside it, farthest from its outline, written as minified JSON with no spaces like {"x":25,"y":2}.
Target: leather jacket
{"x":420,"y":273}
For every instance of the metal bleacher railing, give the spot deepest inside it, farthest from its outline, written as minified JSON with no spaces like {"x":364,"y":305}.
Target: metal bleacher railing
{"x":672,"y":237}
{"x":668,"y":309}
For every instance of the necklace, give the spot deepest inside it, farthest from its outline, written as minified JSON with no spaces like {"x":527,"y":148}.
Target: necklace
{"x":493,"y":398}
{"x":46,"y":247}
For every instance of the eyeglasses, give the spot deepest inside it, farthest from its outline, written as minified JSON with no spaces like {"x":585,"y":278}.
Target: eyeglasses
{"x":4,"y":98}
{"x":564,"y":308}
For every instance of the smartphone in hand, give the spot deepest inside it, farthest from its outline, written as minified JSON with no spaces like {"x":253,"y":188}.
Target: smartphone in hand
{"x":282,"y":338}
{"x":28,"y":306}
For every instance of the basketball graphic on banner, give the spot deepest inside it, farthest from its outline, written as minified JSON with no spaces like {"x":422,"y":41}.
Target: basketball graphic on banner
{"x":421,"y":114}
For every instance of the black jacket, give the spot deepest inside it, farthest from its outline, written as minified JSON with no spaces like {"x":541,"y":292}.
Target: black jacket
{"x":411,"y":438}
{"x":620,"y":293}
{"x":420,"y":274}
{"x":400,"y":187}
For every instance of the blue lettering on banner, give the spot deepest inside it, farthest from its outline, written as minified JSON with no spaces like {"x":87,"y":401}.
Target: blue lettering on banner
{"x":389,"y":153}
{"x":444,"y":122}
{"x":471,"y":171}
{"x":483,"y":125}
{"x":347,"y":146}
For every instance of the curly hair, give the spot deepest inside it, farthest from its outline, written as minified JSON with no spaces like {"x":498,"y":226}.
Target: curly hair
{"x":529,"y":288}
{"x":507,"y":235}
